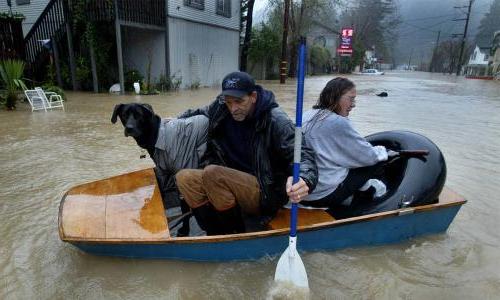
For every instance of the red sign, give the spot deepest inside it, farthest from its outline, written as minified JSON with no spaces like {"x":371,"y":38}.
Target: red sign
{"x":345,"y":47}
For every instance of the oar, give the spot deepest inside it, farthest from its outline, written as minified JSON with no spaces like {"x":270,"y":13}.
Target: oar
{"x":408,"y":153}
{"x":290,"y":266}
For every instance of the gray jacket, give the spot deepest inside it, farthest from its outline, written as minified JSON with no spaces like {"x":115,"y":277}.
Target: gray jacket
{"x":180,"y":145}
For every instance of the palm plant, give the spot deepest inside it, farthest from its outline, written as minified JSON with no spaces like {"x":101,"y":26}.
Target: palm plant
{"x":11,"y":72}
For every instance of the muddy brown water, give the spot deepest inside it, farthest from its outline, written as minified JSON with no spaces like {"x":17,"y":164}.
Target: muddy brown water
{"x":43,"y":154}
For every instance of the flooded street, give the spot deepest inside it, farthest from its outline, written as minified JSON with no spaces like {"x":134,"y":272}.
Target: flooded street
{"x":43,"y":154}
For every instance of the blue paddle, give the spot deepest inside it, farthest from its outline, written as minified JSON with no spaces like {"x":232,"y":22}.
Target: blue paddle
{"x":290,"y":266}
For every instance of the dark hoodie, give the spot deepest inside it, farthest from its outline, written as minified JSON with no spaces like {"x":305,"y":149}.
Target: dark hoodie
{"x":236,"y":142}
{"x":264,"y":145}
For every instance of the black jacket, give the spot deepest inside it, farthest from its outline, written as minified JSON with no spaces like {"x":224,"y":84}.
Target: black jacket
{"x":273,"y":142}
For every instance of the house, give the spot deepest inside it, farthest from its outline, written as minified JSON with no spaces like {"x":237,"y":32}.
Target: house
{"x":195,"y":41}
{"x":325,"y":36}
{"x":495,"y":55}
{"x":31,"y":9}
{"x":478,"y":62}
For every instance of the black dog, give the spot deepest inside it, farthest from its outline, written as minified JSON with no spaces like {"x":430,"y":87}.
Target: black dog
{"x":141,"y":123}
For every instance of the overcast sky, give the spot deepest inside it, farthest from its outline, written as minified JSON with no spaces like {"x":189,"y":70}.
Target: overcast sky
{"x":422,"y":19}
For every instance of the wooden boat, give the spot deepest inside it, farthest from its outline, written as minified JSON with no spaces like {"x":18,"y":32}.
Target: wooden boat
{"x":124,"y":216}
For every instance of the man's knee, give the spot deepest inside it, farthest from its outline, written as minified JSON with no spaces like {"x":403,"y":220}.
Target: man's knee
{"x":185,"y":177}
{"x":211,"y":174}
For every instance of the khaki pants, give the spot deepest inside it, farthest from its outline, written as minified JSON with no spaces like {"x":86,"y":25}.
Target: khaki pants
{"x":222,"y":187}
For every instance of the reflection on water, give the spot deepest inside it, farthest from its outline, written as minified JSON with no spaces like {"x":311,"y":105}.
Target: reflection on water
{"x":44,"y":154}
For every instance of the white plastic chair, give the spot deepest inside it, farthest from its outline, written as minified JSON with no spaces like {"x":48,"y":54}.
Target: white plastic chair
{"x":53,"y":101}
{"x":36,"y":102}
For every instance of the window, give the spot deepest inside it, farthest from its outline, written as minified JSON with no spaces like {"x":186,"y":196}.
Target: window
{"x":198,"y":4}
{"x":223,"y":8}
{"x":22,"y":2}
{"x":486,"y":56}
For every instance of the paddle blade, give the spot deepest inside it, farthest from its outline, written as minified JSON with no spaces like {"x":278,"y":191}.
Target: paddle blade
{"x":291,"y":268}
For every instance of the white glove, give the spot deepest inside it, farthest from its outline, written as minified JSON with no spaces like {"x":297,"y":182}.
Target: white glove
{"x":381,"y":153}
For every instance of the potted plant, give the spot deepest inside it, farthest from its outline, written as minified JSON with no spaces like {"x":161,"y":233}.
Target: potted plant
{"x":11,"y":72}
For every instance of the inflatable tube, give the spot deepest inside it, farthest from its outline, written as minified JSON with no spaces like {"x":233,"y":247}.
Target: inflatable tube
{"x":409,"y":181}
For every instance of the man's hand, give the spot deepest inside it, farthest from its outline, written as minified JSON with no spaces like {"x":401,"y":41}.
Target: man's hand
{"x":298,"y":191}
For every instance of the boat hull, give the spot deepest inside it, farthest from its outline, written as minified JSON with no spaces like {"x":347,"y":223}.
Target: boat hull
{"x":383,"y":228}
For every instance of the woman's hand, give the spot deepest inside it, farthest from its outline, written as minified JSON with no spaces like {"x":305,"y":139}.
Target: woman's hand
{"x":298,"y":191}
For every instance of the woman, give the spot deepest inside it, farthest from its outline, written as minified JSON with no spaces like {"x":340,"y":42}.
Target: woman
{"x":346,"y":161}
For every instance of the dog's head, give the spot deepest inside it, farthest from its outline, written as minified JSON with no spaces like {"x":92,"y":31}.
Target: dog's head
{"x":139,"y":120}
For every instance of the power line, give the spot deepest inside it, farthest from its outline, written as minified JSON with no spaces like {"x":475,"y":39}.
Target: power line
{"x":427,"y":18}
{"x":426,"y":28}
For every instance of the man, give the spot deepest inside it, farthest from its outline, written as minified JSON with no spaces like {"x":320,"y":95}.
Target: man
{"x":250,"y":146}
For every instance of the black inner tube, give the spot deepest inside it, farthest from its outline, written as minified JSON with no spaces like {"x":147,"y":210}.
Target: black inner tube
{"x":409,"y":181}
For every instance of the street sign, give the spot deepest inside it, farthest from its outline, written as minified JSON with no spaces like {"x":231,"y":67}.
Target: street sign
{"x":345,"y":47}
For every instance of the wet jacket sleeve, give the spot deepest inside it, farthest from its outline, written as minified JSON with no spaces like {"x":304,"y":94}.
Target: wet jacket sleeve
{"x":208,"y":111}
{"x":284,"y":136}
{"x":194,"y":112}
{"x":353,"y":151}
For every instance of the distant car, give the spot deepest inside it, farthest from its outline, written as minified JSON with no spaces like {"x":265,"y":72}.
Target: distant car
{"x":371,"y":72}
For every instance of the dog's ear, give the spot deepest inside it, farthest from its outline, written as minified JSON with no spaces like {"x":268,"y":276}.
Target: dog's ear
{"x":116,"y":112}
{"x":148,"y":107}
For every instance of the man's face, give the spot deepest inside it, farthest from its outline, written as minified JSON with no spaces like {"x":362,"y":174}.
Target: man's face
{"x":241,"y":108}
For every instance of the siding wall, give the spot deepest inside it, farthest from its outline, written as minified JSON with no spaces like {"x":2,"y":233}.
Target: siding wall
{"x":137,"y":44}
{"x":31,"y":11}
{"x":201,"y":53}
{"x":177,"y":9}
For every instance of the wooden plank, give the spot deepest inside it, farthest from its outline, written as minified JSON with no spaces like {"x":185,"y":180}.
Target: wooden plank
{"x":83,"y":217}
{"x":305,"y":217}
{"x":128,"y":206}
{"x":117,"y":184}
{"x":137,"y":214}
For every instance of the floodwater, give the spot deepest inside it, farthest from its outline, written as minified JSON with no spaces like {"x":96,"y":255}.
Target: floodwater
{"x":44,"y":154}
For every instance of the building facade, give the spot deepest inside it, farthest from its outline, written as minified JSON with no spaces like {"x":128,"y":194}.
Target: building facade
{"x":198,"y":43}
{"x":478,"y":62}
{"x":495,"y":55}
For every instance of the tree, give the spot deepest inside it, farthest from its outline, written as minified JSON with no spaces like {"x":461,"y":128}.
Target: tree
{"x":445,"y":57}
{"x":488,"y":25}
{"x":320,"y":57}
{"x":303,"y":14}
{"x":375,"y":23}
{"x":246,"y":23}
{"x":264,"y":46}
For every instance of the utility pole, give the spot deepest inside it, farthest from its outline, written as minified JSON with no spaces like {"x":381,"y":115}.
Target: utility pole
{"x":433,"y":59}
{"x":283,"y":66}
{"x":464,"y":36}
{"x":409,"y":60}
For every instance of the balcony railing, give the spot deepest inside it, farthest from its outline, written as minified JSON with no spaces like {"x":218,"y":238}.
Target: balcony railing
{"x":150,"y":12}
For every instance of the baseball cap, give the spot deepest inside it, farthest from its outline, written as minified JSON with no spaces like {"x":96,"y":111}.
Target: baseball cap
{"x":238,"y":84}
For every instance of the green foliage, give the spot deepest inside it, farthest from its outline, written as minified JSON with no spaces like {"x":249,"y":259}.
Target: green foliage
{"x":265,"y":44}
{"x":11,"y":72}
{"x":83,"y":71}
{"x":132,"y":76}
{"x":172,"y":83}
{"x":55,"y":89}
{"x":320,"y":57}
{"x":195,"y":85}
{"x":14,"y":16}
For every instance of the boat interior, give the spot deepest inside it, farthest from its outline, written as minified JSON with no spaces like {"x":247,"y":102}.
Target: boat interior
{"x":129,"y":208}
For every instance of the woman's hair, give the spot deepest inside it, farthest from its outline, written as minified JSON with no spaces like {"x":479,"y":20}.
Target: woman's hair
{"x":329,"y":98}
{"x":332,"y":92}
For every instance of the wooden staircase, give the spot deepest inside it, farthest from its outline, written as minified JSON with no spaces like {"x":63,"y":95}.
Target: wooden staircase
{"x":55,"y":23}
{"x":50,"y":25}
